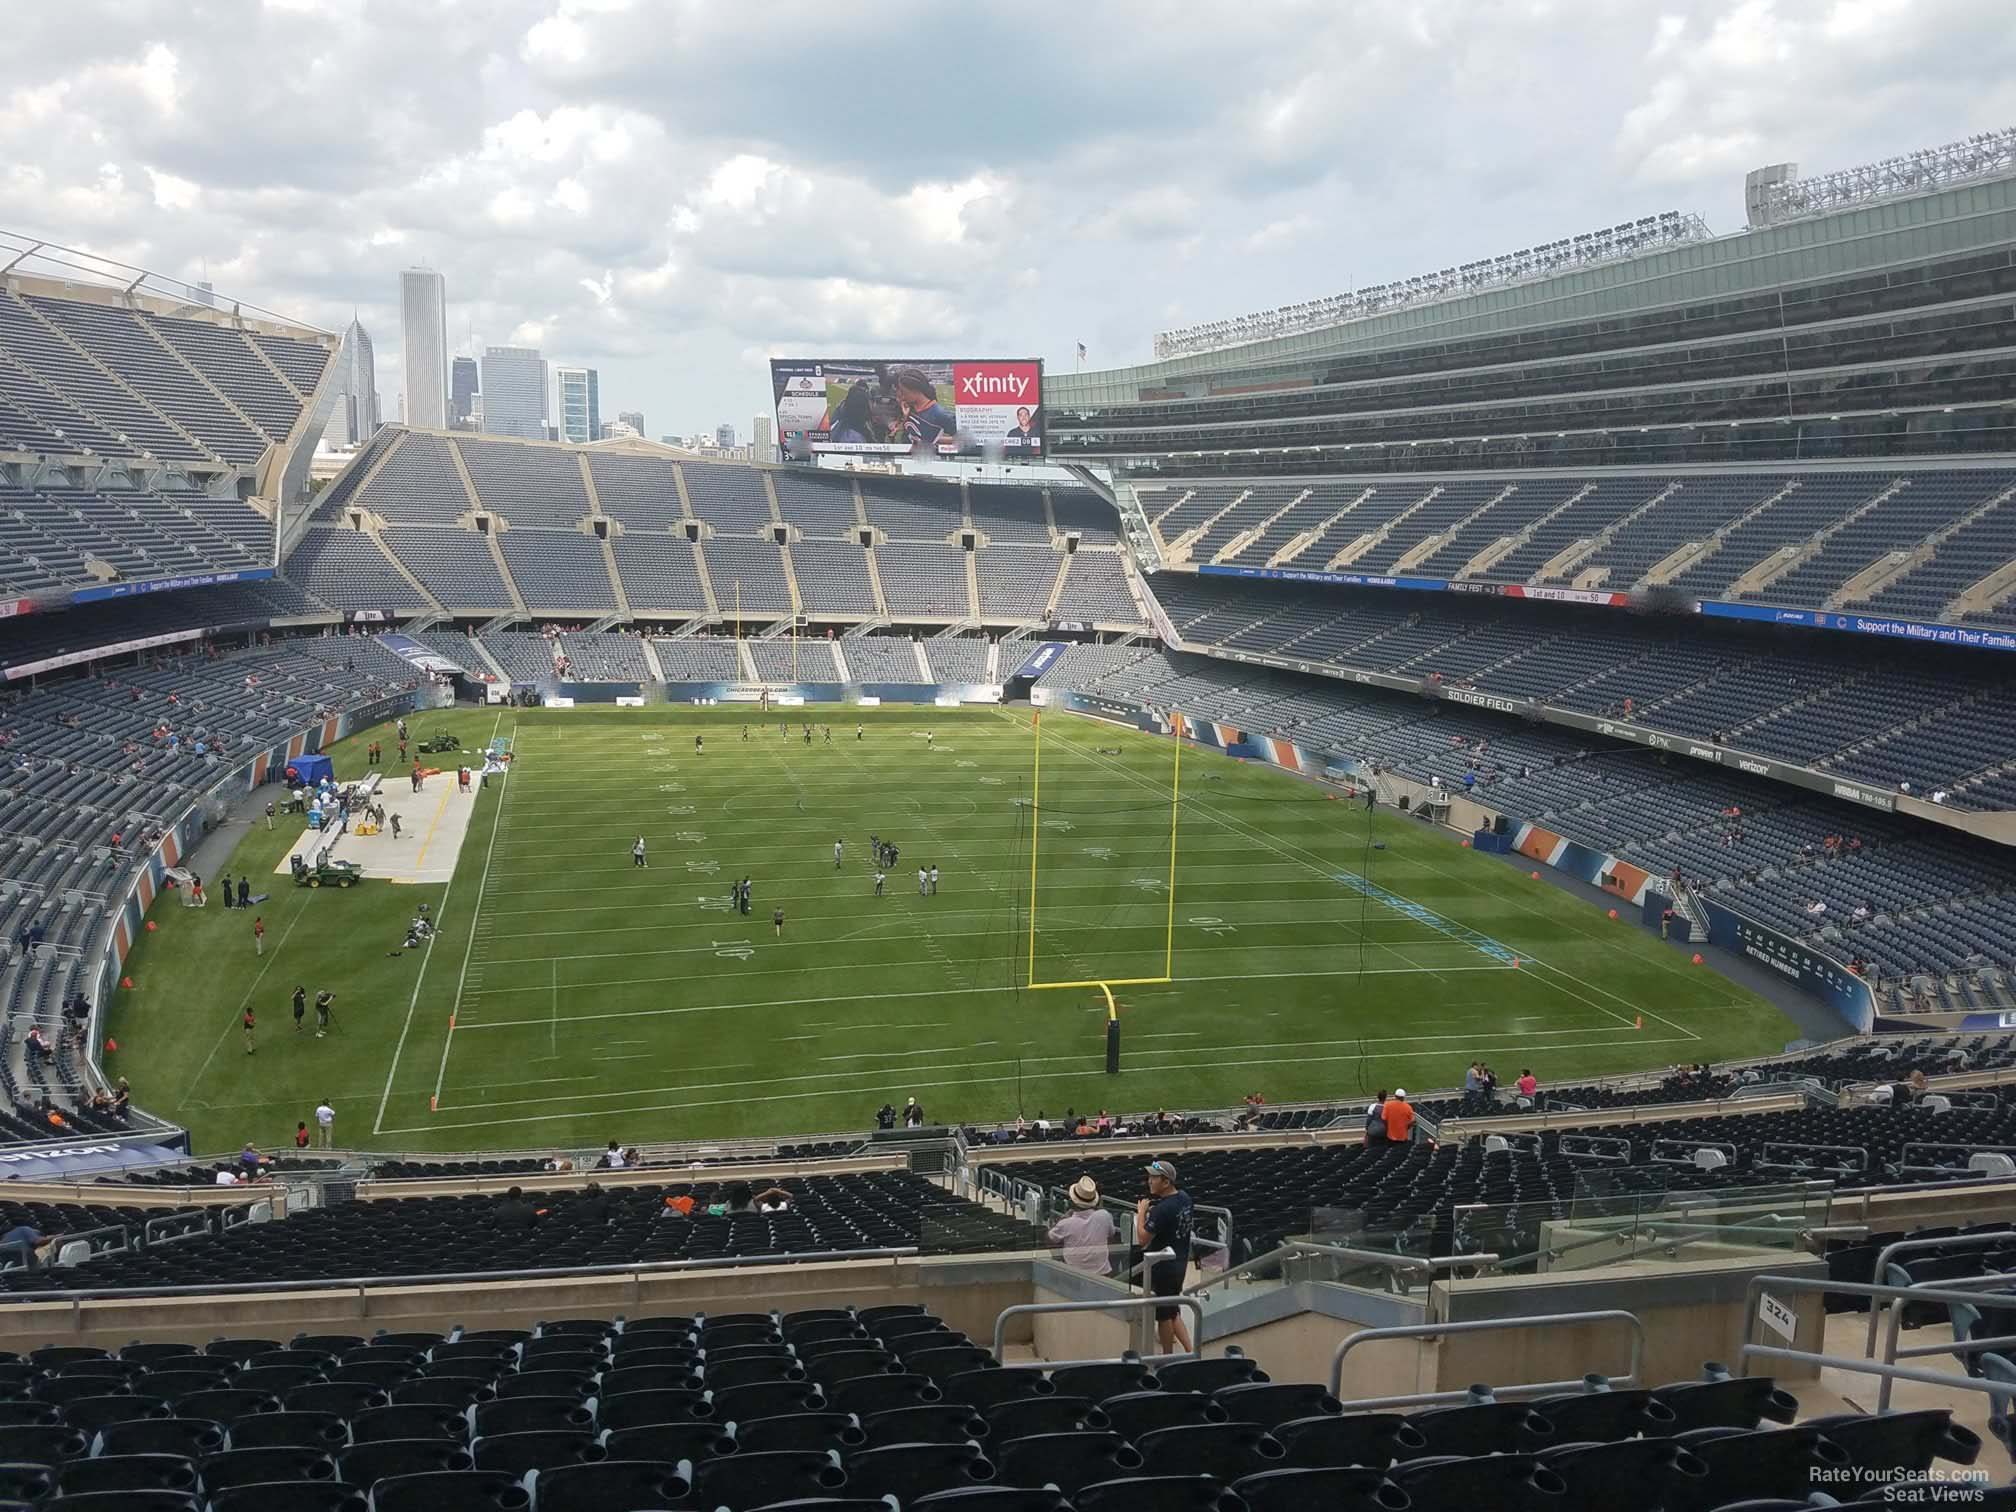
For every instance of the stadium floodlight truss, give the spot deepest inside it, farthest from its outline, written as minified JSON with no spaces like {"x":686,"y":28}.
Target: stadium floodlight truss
{"x":1629,"y":239}
{"x":1987,"y":155}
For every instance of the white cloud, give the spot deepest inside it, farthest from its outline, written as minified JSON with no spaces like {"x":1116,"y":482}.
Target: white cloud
{"x":172,"y":193}
{"x":669,"y":191}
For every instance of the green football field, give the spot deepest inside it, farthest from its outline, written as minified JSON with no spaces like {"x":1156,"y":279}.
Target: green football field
{"x":571,"y":998}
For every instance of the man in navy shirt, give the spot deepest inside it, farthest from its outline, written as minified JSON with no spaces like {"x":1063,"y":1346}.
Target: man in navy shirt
{"x":1162,"y":1222}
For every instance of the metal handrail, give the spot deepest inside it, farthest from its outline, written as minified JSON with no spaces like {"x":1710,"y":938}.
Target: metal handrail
{"x":457,"y":1278}
{"x":1486,"y":1325}
{"x":1108,"y":1304}
{"x":1887,"y":1371}
{"x":1992,"y":1282}
{"x":1899,"y":1246}
{"x":1386,"y":1260}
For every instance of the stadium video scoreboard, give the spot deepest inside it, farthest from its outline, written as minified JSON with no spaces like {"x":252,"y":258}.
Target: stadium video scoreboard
{"x":979,"y":408}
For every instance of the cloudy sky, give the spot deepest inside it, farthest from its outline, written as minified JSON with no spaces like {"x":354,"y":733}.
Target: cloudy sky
{"x":674,"y":190}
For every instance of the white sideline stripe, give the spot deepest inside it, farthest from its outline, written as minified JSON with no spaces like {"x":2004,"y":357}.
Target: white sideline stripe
{"x":426,"y":960}
{"x":482,"y":886}
{"x":882,"y":997}
{"x":835,"y":1089}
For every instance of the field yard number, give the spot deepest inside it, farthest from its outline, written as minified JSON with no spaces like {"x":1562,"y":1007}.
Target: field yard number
{"x":1147,"y":884}
{"x":990,"y":781}
{"x":964,"y":763}
{"x":1099,"y":852}
{"x":671,"y":787}
{"x":679,"y":808}
{"x":710,"y":904}
{"x":733,"y":949}
{"x":1059,"y":824}
{"x":705,"y":868}
{"x":653,"y":737}
{"x":1212,"y":924}
{"x":689,"y":837}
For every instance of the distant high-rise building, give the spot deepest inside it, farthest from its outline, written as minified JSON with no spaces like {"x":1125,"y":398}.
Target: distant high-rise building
{"x":355,"y":418}
{"x":514,"y":392}
{"x":462,"y":391}
{"x":634,"y":419}
{"x":760,"y":449}
{"x":423,"y":323}
{"x":580,"y":414}
{"x":724,"y":437}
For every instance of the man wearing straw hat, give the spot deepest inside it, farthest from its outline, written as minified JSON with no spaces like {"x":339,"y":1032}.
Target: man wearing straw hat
{"x":1087,"y":1233}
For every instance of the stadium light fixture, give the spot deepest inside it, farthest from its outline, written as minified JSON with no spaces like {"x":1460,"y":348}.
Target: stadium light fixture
{"x":1630,"y":239}
{"x":1986,"y":155}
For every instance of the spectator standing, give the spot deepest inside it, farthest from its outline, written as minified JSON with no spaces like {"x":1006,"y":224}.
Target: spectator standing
{"x":885,"y":1117}
{"x":1528,"y":1083}
{"x":226,"y":888}
{"x":1087,"y":1233}
{"x":1399,"y":1116}
{"x":300,"y":1007}
{"x":1162,"y":1225}
{"x":325,"y":1123}
{"x":1375,"y":1121}
{"x":323,"y":1001}
{"x":913,"y":1115}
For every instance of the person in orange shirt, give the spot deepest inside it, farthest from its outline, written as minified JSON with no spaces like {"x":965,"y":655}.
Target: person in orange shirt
{"x":1399,"y":1116}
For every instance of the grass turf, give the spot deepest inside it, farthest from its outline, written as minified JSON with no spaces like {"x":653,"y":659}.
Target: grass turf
{"x":1319,"y":953}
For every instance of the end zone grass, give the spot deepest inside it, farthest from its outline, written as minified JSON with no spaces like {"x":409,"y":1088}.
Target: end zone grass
{"x":1318,"y":954}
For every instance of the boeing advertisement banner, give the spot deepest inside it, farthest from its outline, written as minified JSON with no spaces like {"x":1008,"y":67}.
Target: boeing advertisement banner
{"x":989,"y":408}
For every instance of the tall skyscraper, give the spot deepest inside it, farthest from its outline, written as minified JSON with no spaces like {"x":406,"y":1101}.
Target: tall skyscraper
{"x":356,"y":416}
{"x":760,"y":449}
{"x":724,"y":437}
{"x":514,"y":392}
{"x":462,"y":391}
{"x":580,"y":414}
{"x":423,"y":322}
{"x":634,"y":419}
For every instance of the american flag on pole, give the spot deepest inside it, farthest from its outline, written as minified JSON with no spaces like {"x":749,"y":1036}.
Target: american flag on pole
{"x":1081,"y":351}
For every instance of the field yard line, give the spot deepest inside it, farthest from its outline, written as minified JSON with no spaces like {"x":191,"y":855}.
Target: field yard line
{"x":882,"y":997}
{"x":658,"y":890}
{"x":1211,"y":1057}
{"x":197,"y":1080}
{"x":965,"y":934}
{"x":743,"y":970}
{"x":966,"y":1081}
{"x":378,"y":1124}
{"x":555,"y":1019}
